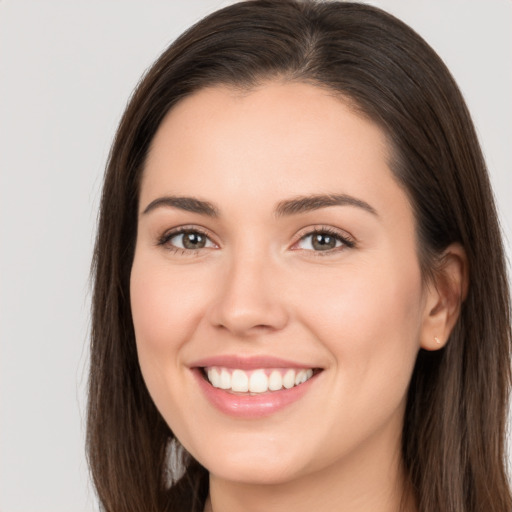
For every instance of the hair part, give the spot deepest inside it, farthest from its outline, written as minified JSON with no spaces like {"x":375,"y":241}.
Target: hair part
{"x":455,"y":420}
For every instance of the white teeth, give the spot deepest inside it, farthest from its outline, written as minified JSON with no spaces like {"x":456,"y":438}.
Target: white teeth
{"x":303,"y":376}
{"x":225,"y":379}
{"x":300,"y":377}
{"x":275,"y":381}
{"x":213,"y":377}
{"x":239,"y":381}
{"x":258,"y":382}
{"x":289,"y":379}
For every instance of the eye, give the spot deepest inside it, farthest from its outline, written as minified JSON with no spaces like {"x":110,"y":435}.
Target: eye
{"x":186,"y":240}
{"x":323,"y":240}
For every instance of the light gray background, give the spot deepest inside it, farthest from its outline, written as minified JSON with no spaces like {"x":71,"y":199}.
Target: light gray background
{"x":66,"y":72}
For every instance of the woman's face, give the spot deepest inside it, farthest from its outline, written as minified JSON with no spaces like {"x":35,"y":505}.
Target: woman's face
{"x":274,"y":246}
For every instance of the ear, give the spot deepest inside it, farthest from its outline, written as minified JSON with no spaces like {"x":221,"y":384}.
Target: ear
{"x":444,"y":296}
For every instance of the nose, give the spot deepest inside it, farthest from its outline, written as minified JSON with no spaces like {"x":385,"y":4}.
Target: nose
{"x":250,"y":298}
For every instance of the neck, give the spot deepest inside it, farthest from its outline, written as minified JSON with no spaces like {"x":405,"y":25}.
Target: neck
{"x":371,"y":479}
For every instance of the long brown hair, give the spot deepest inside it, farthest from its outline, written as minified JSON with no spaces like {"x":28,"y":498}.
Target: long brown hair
{"x":455,"y":420}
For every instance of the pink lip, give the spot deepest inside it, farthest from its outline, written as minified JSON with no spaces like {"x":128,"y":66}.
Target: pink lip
{"x":245,"y":405}
{"x":247,"y":363}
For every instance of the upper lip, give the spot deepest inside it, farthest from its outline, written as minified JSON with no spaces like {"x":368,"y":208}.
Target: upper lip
{"x":248,"y":363}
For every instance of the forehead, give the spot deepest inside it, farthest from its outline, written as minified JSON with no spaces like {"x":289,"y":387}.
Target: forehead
{"x":278,"y":139}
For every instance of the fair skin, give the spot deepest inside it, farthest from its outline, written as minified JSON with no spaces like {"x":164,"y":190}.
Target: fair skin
{"x":334,"y":288}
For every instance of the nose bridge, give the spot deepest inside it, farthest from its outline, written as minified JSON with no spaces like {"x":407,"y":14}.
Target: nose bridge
{"x":249,"y":300}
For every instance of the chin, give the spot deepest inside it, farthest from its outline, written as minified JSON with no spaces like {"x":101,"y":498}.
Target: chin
{"x":254,"y":473}
{"x":258,"y":464}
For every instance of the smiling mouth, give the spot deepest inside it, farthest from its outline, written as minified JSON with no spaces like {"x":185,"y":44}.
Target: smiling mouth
{"x":257,"y":381}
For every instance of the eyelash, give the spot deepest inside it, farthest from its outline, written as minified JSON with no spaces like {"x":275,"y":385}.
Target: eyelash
{"x":346,"y":241}
{"x":169,"y":235}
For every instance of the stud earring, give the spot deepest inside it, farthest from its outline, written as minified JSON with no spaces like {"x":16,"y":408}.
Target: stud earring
{"x":437,"y":340}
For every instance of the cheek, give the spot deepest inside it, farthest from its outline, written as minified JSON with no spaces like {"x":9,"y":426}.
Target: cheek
{"x":165,"y":310}
{"x":361,"y":298}
{"x":165,"y":305}
{"x":369,"y":322}
{"x":369,"y":318}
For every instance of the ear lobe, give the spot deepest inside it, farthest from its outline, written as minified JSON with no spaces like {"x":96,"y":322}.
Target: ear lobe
{"x":444,"y":297}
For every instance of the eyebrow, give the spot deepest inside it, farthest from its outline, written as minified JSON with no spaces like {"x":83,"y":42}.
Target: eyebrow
{"x":301,"y":204}
{"x":189,"y":204}
{"x":305,"y":204}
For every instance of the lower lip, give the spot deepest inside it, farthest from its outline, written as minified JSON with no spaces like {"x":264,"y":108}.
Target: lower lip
{"x":251,"y":406}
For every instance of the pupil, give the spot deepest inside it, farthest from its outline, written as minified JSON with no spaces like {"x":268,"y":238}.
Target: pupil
{"x":193,"y":240}
{"x":324,"y":242}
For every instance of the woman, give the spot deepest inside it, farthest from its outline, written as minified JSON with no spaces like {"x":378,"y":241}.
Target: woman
{"x":300,"y":292}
